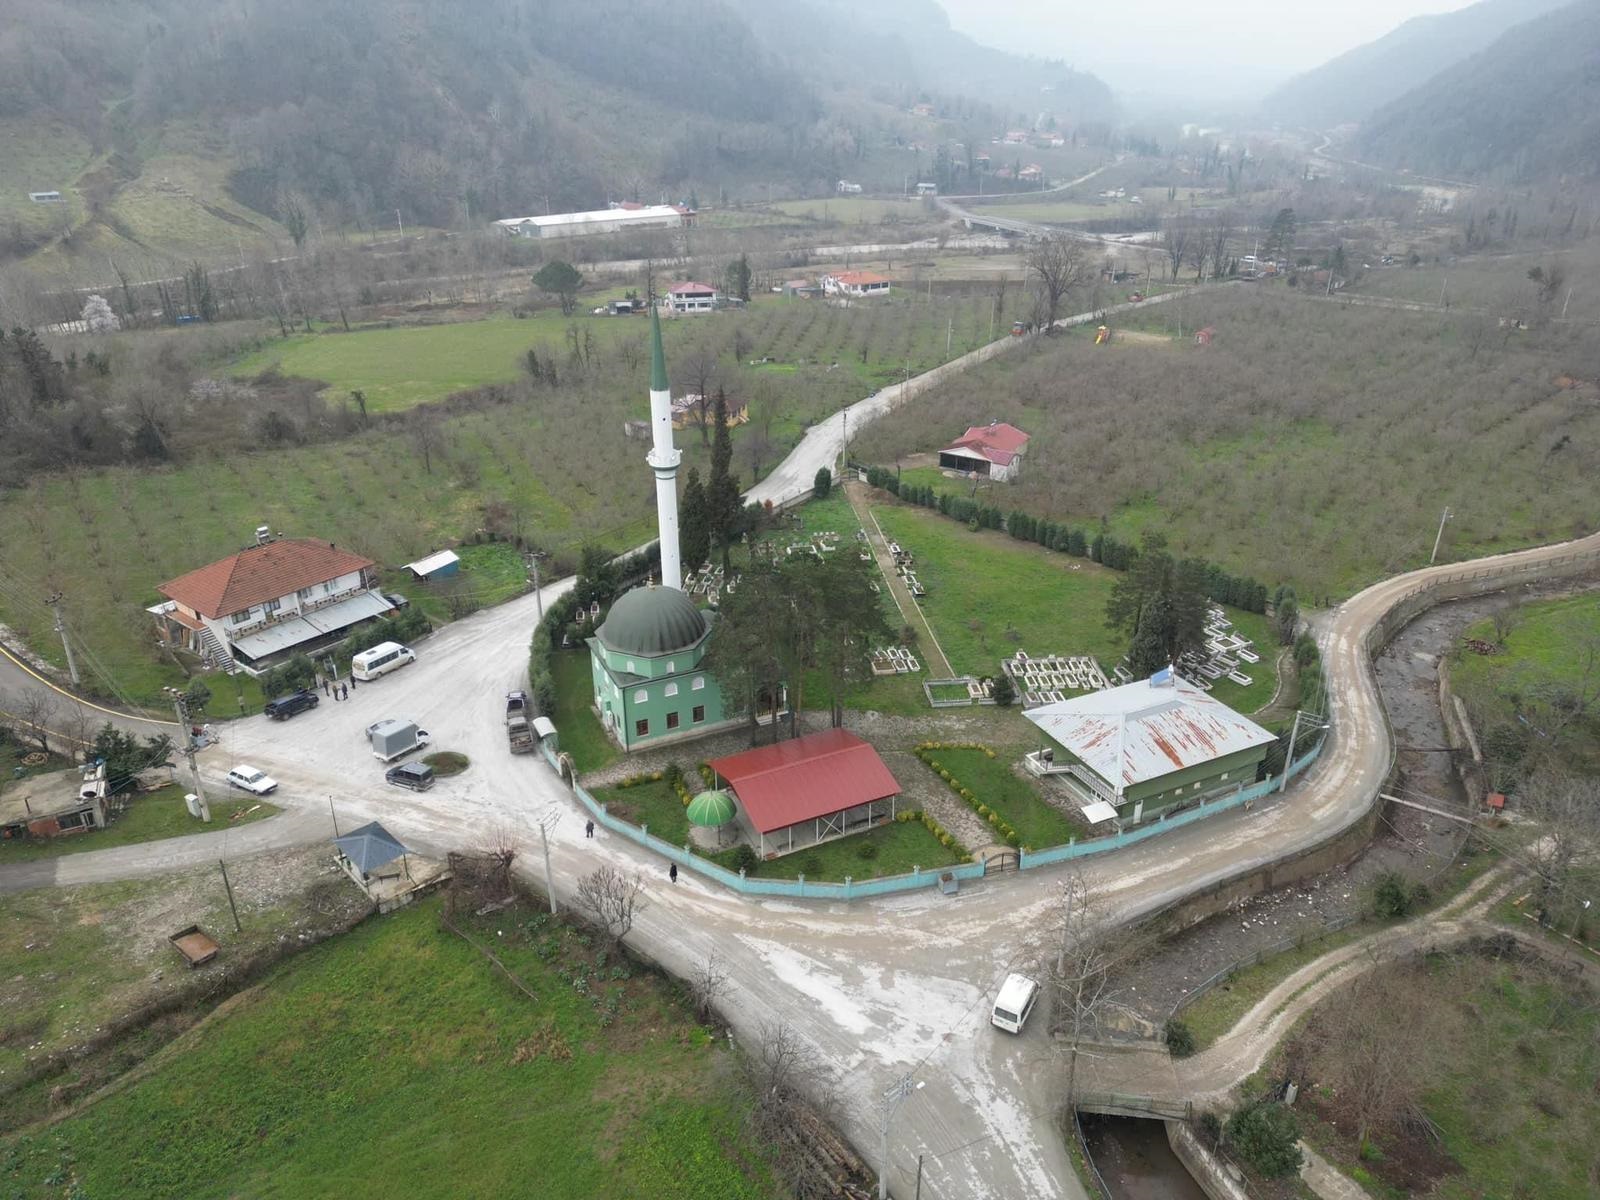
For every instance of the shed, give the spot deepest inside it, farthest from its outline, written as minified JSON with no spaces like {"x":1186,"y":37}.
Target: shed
{"x":808,"y":790}
{"x":1204,"y":336}
{"x":441,"y":564}
{"x":364,"y":852}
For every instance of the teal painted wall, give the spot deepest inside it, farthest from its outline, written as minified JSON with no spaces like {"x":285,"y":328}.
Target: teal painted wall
{"x":620,"y":680}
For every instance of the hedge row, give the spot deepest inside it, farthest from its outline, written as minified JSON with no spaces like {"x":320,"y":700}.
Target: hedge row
{"x":1240,"y":592}
{"x":561,"y":614}
{"x":925,"y":751}
{"x":946,"y":839}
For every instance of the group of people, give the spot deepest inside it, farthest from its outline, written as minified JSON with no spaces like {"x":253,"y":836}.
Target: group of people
{"x":339,"y":691}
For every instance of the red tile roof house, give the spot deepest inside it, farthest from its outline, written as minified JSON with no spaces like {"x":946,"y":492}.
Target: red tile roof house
{"x":691,"y":297}
{"x":281,"y":596}
{"x":808,"y":790}
{"x":994,"y":450}
{"x":856,"y":283}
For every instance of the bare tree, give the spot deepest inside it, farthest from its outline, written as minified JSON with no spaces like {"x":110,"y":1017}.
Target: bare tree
{"x":36,"y":708}
{"x":792,"y":1091}
{"x":698,"y":369}
{"x":1175,"y":237}
{"x":1567,"y":810}
{"x":612,"y":898}
{"x":1081,"y":971}
{"x":1199,"y":253}
{"x":1058,"y":266}
{"x":427,"y":435}
{"x":1505,"y":618}
{"x":1220,"y":233}
{"x":709,"y":982}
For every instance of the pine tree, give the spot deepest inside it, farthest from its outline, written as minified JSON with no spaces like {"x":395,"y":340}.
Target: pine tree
{"x":694,"y":528}
{"x":723,"y":506}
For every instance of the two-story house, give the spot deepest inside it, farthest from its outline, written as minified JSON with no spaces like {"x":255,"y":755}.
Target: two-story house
{"x":279,"y":597}
{"x":856,"y":283}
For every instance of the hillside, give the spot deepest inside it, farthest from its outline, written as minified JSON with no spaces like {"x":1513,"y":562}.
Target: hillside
{"x":1527,"y":107}
{"x":172,"y":136}
{"x":1358,"y":82}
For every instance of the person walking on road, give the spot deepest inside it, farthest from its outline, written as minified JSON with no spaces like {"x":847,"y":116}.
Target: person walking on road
{"x":588,"y":830}
{"x":672,"y":873}
{"x":324,"y":685}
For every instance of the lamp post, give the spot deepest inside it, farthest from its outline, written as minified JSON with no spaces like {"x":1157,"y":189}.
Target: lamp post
{"x":1440,"y":536}
{"x":893,"y":1098}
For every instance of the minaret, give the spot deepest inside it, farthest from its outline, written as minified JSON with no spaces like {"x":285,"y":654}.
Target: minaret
{"x":664,"y":457}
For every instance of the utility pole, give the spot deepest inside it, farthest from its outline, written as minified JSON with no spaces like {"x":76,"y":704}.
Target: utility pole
{"x":1442,"y":285}
{"x":1564,"y":304}
{"x":919,"y":1177}
{"x":1440,"y":537}
{"x":181,"y":707}
{"x":334,"y":815}
{"x":949,"y":332}
{"x":54,"y":601}
{"x":237,"y":928}
{"x":532,"y":557}
{"x":401,"y":225}
{"x":892,"y":1099}
{"x":547,"y":820}
{"x":1288,"y":756}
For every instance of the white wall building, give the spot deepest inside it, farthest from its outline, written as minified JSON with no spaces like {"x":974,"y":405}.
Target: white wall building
{"x":616,"y":219}
{"x":856,"y":283}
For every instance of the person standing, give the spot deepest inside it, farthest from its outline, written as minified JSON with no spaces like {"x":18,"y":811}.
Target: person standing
{"x":588,"y":830}
{"x":672,"y":873}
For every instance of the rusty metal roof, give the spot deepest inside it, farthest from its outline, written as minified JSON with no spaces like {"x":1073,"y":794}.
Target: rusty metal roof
{"x":1144,"y":730}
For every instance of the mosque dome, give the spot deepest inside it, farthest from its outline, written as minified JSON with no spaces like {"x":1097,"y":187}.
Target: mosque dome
{"x":651,"y":621}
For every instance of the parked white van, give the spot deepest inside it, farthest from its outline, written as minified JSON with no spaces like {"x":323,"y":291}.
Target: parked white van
{"x":380,"y":660}
{"x":1018,"y":995}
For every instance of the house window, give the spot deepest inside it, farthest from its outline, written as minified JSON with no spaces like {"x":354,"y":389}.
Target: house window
{"x":672,"y":720}
{"x":270,"y":607}
{"x":672,"y":689}
{"x":699,"y":713}
{"x":641,"y":728}
{"x":77,"y":820}
{"x":240,"y":617}
{"x":304,"y":593}
{"x":641,"y":696}
{"x":672,"y":667}
{"x":699,"y":684}
{"x":1224,"y":774}
{"x":629,"y":667}
{"x":327,"y":588}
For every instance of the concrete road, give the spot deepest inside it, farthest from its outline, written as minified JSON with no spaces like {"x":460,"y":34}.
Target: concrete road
{"x":17,"y":676}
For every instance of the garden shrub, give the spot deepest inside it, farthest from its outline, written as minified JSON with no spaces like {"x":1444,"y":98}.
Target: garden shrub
{"x":1180,"y":1044}
{"x":1266,"y":1137}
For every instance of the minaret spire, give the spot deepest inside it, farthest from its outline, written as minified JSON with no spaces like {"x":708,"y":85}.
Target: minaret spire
{"x":664,"y":457}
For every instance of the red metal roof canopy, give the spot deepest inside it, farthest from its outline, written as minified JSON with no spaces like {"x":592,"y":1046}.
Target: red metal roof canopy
{"x":809,"y":777}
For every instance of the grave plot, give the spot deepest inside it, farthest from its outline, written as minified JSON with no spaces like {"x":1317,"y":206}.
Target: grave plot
{"x":1049,"y":679}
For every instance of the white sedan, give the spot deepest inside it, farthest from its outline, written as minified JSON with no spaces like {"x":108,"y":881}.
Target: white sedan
{"x":258,"y":783}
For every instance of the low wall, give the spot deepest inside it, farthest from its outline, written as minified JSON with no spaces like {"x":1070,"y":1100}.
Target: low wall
{"x":1208,"y":1171}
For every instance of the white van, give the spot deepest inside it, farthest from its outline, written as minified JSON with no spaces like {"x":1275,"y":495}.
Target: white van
{"x":1018,"y":995}
{"x":380,"y":660}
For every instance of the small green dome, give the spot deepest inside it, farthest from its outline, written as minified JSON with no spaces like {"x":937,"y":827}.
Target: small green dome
{"x":652,"y":620}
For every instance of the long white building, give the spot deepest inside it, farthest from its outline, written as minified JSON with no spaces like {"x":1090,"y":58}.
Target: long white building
{"x":615,"y":219}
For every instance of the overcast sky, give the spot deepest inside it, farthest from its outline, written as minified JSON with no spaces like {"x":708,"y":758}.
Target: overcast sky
{"x":1230,"y":49}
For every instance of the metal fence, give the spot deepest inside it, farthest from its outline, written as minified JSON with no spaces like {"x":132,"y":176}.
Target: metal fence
{"x":1255,"y":957}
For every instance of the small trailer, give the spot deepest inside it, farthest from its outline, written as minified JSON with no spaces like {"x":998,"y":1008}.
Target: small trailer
{"x":195,"y":945}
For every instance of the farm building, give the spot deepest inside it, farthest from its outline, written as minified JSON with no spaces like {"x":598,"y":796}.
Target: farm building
{"x":856,"y":284}
{"x":1203,"y":337}
{"x":1148,"y":746}
{"x":846,"y":188}
{"x":278,"y":597}
{"x":62,"y":802}
{"x":995,"y":450}
{"x":692,"y":297}
{"x":439,"y":565}
{"x":689,"y":413}
{"x":807,"y":790}
{"x":616,"y":219}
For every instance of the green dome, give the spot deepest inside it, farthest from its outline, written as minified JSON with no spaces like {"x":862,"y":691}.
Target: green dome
{"x":710,"y":809}
{"x":652,"y":620}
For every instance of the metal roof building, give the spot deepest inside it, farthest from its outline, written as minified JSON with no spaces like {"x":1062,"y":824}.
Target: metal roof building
{"x":1153,"y":744}
{"x":604,"y":220}
{"x":807,"y":790}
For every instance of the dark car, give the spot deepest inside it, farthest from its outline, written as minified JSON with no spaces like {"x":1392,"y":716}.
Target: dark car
{"x":285,"y":707}
{"x":416,"y":776}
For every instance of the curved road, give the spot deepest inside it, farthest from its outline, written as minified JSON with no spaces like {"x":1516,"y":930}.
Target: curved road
{"x":881,"y":988}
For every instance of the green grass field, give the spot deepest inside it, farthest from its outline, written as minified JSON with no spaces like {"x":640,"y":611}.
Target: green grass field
{"x":41,"y":155}
{"x":862,"y":210}
{"x":989,"y":595}
{"x":397,"y":1052}
{"x":995,"y":784}
{"x":582,"y":735}
{"x":149,"y":818}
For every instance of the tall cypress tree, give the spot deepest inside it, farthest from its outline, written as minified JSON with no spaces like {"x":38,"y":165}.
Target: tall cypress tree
{"x":722,"y":489}
{"x":694,"y":525}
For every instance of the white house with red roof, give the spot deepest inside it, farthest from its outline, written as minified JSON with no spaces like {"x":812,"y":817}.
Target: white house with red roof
{"x":692,"y":297}
{"x":278,"y":597}
{"x":994,"y":450}
{"x":856,"y":284}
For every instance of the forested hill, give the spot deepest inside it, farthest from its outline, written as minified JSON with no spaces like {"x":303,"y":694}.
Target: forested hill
{"x":1355,"y":84}
{"x":351,"y":109}
{"x":1526,"y":108}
